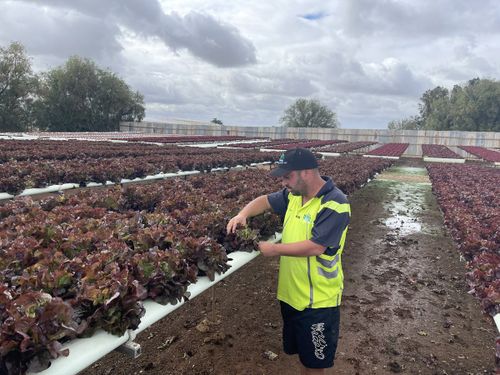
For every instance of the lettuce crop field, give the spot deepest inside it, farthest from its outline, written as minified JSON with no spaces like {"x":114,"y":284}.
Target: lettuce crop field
{"x":422,"y":261}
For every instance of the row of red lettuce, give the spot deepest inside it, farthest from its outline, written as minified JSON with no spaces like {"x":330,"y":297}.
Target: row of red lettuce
{"x":469,"y":197}
{"x":85,"y":260}
{"x":20,"y":175}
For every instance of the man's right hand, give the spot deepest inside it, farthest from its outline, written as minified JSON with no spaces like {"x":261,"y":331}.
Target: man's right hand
{"x":235,"y":221}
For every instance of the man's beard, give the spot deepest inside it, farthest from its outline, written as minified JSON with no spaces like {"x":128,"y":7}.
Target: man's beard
{"x":300,"y":188}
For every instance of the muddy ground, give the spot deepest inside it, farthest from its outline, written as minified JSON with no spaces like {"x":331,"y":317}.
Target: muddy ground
{"x":405,"y":307}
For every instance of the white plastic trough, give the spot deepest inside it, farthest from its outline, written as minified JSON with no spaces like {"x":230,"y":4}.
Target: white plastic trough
{"x":84,"y":352}
{"x":496,"y":318}
{"x":443,"y":160}
{"x":220,"y":144}
{"x":381,"y":156}
{"x":262,"y":163}
{"x":55,"y":188}
{"x":48,"y":189}
{"x":330,"y":154}
{"x":271,"y":150}
{"x":231,"y":148}
{"x":159,"y":176}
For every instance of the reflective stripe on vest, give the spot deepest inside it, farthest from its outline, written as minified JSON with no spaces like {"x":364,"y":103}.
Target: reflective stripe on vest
{"x":314,"y":281}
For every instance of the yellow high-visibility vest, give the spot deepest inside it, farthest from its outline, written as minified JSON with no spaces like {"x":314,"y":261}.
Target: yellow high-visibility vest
{"x":313,"y":281}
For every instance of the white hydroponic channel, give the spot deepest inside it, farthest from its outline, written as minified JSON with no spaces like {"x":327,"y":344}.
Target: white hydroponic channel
{"x":86,"y":351}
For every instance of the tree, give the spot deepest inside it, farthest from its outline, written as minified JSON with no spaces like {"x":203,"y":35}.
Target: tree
{"x":474,"y":106}
{"x":309,"y":113}
{"x":411,"y":123}
{"x":79,"y":96}
{"x":17,"y":83}
{"x":429,"y":100}
{"x":216,"y":121}
{"x":434,"y":109}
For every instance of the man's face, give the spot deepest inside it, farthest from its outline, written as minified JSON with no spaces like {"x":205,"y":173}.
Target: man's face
{"x":294,"y":183}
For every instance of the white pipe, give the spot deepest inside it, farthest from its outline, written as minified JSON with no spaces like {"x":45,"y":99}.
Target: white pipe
{"x":329,"y":153}
{"x":84,"y":352}
{"x":496,"y":318}
{"x":55,"y":188}
{"x":155,"y":311}
{"x":159,"y":176}
{"x":381,"y":156}
{"x":271,"y":150}
{"x":443,"y":160}
{"x":230,"y":148}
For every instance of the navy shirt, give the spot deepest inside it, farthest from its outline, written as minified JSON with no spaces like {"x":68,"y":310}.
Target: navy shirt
{"x":329,"y":224}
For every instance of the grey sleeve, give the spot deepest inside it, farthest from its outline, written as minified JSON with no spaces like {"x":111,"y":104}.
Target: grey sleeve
{"x":328,"y":228}
{"x":279,"y":201}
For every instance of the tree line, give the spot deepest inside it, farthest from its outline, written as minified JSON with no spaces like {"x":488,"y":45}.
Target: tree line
{"x":77,"y":96}
{"x":80,"y":96}
{"x":474,"y":106}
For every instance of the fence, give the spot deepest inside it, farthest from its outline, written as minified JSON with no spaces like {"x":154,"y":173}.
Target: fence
{"x":414,"y":137}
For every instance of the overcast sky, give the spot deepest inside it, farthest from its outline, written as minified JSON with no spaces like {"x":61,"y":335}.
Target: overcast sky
{"x":244,"y":62}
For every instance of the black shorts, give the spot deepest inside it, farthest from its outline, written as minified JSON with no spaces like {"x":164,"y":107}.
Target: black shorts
{"x":312,"y":334}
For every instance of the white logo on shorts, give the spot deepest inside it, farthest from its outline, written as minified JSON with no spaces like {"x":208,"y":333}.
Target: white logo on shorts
{"x":318,"y":339}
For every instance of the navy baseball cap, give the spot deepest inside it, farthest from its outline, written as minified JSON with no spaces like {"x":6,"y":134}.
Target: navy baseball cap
{"x":296,"y":159}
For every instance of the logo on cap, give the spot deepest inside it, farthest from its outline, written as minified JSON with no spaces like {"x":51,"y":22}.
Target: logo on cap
{"x":282,"y":160}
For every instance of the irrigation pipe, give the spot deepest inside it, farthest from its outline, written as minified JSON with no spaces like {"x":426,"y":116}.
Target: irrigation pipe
{"x":443,"y":160}
{"x":329,"y":153}
{"x":271,"y":150}
{"x":159,"y":176}
{"x":85,"y":351}
{"x":381,"y":156}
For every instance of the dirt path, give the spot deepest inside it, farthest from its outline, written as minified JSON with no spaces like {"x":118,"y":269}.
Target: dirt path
{"x":405,"y":307}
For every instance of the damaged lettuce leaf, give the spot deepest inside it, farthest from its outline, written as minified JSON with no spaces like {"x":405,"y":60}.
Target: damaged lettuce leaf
{"x":245,"y":239}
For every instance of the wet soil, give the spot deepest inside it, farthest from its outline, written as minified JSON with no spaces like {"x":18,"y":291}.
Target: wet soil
{"x":405,"y":307}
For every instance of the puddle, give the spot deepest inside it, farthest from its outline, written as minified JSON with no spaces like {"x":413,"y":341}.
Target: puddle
{"x":404,"y":224}
{"x":405,"y":207}
{"x":407,"y":202}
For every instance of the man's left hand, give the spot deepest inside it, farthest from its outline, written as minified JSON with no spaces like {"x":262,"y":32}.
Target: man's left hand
{"x":268,"y":249}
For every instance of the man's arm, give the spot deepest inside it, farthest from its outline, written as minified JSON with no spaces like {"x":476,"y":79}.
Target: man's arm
{"x":296,"y":249}
{"x":254,"y":208}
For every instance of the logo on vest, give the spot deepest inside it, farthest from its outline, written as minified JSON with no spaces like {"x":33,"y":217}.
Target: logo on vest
{"x":318,"y":339}
{"x":307,"y":218}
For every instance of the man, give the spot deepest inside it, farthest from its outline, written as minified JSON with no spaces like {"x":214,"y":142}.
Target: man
{"x":316,"y":216}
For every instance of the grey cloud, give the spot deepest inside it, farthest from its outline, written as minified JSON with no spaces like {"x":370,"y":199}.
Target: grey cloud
{"x":390,"y":77}
{"x":288,"y":84}
{"x":174,"y":91}
{"x":60,"y":33}
{"x":355,"y":15}
{"x":417,"y":19}
{"x":373,"y":111}
{"x":251,"y":109}
{"x":208,"y":39}
{"x":462,"y":70}
{"x":205,"y":37}
{"x":158,"y":93}
{"x":394,"y":77}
